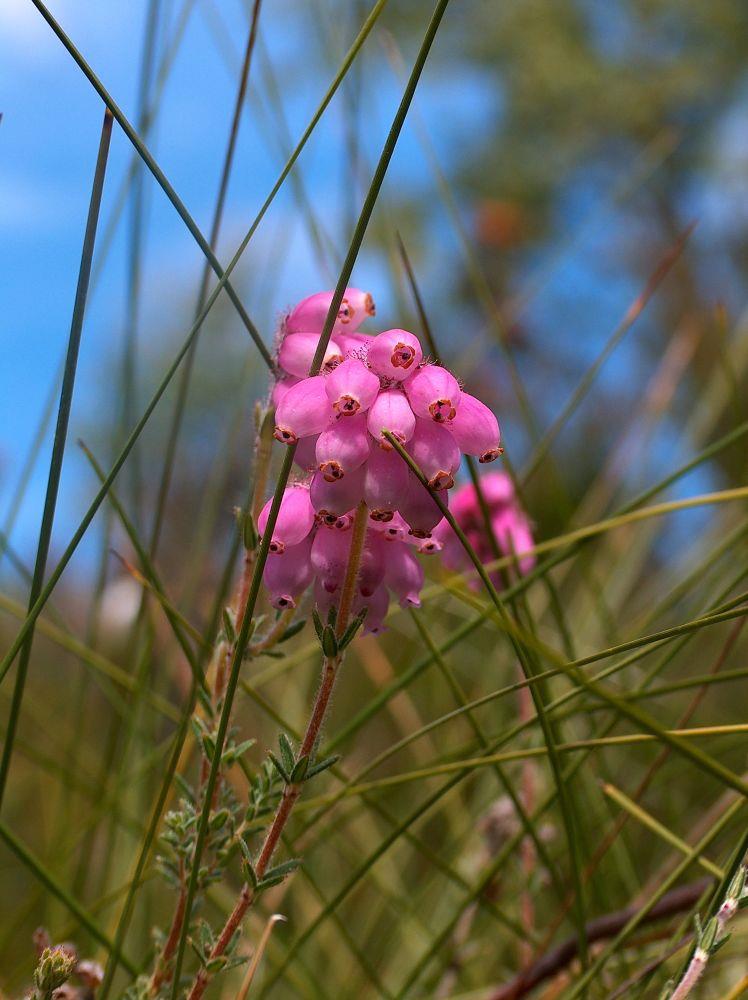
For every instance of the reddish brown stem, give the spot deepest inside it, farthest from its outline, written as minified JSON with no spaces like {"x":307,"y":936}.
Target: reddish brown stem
{"x":162,"y":973}
{"x":292,"y":792}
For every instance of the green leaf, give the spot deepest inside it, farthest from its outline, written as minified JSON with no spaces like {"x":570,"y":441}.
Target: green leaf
{"x":287,"y":752}
{"x":279,"y":767}
{"x":299,"y":770}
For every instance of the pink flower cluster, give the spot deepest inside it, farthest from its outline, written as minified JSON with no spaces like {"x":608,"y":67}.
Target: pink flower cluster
{"x":368,"y":384}
{"x":509,"y":523}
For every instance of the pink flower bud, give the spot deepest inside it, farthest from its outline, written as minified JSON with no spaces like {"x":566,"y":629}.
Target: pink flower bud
{"x":418,"y":507}
{"x":475,"y":429}
{"x":433,"y":393}
{"x":391,"y":411}
{"x":305,"y":455}
{"x":378,"y":605}
{"x":310,"y":314}
{"x":294,"y":522}
{"x":280,"y":389}
{"x":351,"y":387}
{"x":385,"y":482}
{"x":304,"y":410}
{"x":333,"y":499}
{"x":395,"y":354}
{"x":342,"y":447}
{"x":404,"y":576}
{"x":330,"y":550}
{"x":435,"y":452}
{"x":297,"y":352}
{"x":287,"y":576}
{"x":374,"y":558}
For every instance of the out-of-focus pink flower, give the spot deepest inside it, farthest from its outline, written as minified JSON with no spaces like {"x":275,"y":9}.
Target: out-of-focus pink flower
{"x":509,"y":523}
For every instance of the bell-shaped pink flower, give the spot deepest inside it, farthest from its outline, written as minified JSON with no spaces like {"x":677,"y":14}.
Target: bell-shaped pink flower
{"x":385,"y":482}
{"x":351,"y":388}
{"x":435,"y":452}
{"x":342,"y":447}
{"x":297,"y":352}
{"x":374,"y":559}
{"x":287,"y":576}
{"x":280,"y":389}
{"x":329,"y":556}
{"x":377,"y":605}
{"x":395,"y":354}
{"x":404,"y":576}
{"x":418,"y":507}
{"x":304,"y":410}
{"x":434,"y":393}
{"x":305,"y":455}
{"x":294,"y":522}
{"x":391,"y":411}
{"x":428,"y":546}
{"x":310,"y":314}
{"x":475,"y":429}
{"x":333,"y":499}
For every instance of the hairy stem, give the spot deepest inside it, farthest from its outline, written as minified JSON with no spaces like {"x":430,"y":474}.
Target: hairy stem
{"x":291,"y":792}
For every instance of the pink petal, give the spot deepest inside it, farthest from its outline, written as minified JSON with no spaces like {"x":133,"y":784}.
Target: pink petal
{"x":385,"y":482}
{"x":476,"y":429}
{"x":297,"y":352}
{"x":294,"y":522}
{"x":288,"y":576}
{"x":304,"y":410}
{"x":351,"y":387}
{"x":330,"y":550}
{"x":391,"y":411}
{"x":342,"y":447}
{"x":378,"y":605}
{"x":404,"y":576}
{"x":418,"y":508}
{"x":310,"y":314}
{"x":333,"y":499}
{"x":434,"y":393}
{"x":395,"y":354}
{"x":434,"y":451}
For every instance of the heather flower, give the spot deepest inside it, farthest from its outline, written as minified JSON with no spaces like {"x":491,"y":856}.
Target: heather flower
{"x":435,"y":452}
{"x":297,"y":350}
{"x":342,"y":447}
{"x":475,"y":429}
{"x":302,"y":411}
{"x":351,"y":387}
{"x":434,"y":393}
{"x":395,"y":354}
{"x":310,"y":314}
{"x":294,"y":521}
{"x":369,"y":385}
{"x":391,"y":412}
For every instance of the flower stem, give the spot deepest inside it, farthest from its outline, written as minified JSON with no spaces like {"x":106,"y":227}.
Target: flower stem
{"x":291,"y":793}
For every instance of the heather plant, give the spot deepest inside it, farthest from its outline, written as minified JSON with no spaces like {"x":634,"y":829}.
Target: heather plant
{"x":336,"y":688}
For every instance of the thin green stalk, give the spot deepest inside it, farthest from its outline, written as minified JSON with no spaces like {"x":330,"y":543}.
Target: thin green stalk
{"x":160,"y":177}
{"x":58,"y":447}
